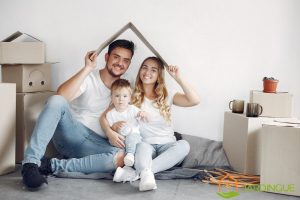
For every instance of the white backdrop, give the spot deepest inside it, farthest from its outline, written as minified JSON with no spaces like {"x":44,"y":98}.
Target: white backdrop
{"x":223,"y":47}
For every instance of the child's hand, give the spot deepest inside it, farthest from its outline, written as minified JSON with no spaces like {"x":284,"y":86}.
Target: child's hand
{"x":118,"y":125}
{"x":143,"y":116}
{"x":173,"y":71}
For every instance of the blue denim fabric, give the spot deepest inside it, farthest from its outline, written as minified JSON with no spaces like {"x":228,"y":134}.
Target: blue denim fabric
{"x":164,"y":156}
{"x":88,"y":151}
{"x":131,"y":142}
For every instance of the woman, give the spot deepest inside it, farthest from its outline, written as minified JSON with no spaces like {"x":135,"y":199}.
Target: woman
{"x":158,"y":141}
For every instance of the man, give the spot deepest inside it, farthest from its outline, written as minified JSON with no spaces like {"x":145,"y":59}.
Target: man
{"x":71,"y":119}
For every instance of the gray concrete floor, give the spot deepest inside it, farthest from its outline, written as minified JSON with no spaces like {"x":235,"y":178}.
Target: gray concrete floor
{"x":11,"y":188}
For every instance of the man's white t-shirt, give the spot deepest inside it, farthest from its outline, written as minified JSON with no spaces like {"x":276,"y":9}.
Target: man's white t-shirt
{"x":157,"y":130}
{"x":129,"y":115}
{"x":93,"y":100}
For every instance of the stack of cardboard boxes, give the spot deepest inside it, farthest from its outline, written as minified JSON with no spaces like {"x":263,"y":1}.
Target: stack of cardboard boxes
{"x":23,"y":62}
{"x":254,"y":147}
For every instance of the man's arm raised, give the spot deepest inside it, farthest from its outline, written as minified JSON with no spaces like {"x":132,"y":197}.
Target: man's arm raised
{"x":70,"y":89}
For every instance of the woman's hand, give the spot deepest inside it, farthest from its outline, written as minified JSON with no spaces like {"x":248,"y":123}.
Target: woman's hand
{"x":174,"y":72}
{"x":90,"y":60}
{"x":189,"y":97}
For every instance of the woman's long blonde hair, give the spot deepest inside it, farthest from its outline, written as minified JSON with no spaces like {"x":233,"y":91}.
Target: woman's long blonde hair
{"x":160,"y":90}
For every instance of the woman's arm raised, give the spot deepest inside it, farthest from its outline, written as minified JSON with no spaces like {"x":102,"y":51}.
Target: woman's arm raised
{"x":189,"y":96}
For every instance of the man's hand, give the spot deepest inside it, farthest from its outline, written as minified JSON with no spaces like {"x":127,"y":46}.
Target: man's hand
{"x":90,"y":60}
{"x":116,"y":139}
{"x":118,"y":125}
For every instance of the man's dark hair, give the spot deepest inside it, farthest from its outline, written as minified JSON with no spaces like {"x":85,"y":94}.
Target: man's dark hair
{"x":126,"y":44}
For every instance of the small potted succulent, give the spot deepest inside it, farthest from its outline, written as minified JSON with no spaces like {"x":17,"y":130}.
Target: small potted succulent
{"x":270,"y":84}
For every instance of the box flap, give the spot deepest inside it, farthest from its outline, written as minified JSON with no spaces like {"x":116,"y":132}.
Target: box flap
{"x":138,"y":34}
{"x":20,"y":37}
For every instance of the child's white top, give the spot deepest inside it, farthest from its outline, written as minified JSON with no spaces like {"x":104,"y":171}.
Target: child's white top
{"x":129,"y":115}
{"x":157,"y":130}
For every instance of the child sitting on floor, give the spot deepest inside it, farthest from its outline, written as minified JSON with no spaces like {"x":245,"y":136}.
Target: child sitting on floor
{"x":129,"y":114}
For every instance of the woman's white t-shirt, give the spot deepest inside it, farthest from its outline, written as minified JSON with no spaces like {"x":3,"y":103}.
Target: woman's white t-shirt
{"x":157,"y":130}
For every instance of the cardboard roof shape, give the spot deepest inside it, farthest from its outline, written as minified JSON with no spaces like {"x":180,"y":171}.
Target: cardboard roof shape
{"x":138,"y":34}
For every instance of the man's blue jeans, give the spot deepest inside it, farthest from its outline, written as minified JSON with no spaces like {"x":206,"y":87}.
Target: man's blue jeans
{"x":88,"y":152}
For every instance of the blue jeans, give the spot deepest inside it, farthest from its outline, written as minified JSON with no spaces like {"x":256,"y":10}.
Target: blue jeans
{"x":164,"y":156}
{"x":131,"y":142}
{"x":88,"y":152}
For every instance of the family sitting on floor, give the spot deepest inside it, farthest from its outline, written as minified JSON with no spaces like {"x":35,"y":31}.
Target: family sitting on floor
{"x":99,"y":123}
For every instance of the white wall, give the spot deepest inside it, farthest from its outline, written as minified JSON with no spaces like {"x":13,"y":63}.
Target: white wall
{"x":224,"y":47}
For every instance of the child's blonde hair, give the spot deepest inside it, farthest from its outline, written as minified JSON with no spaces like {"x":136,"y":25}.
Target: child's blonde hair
{"x":160,"y":90}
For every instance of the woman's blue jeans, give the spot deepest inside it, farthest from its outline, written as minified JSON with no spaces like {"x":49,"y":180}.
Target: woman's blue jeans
{"x":88,"y":152}
{"x":160,"y":157}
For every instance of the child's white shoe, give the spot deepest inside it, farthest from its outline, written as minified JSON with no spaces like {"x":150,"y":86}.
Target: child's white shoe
{"x":129,"y":159}
{"x":147,"y":181}
{"x":125,"y":174}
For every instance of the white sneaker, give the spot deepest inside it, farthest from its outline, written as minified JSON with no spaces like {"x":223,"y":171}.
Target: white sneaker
{"x":129,"y":159}
{"x":125,"y":174}
{"x":147,"y":181}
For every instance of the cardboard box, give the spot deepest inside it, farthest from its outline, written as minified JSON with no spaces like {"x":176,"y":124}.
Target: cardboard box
{"x":22,"y":48}
{"x":280,"y":164}
{"x":274,"y":104}
{"x":7,"y":127}
{"x":242,"y":141}
{"x":29,"y":106}
{"x":29,"y":78}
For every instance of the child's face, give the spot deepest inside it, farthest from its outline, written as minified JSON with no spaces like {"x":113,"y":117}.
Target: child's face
{"x":121,"y":98}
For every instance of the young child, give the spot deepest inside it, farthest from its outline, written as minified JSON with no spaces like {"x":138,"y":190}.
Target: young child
{"x":123,"y":111}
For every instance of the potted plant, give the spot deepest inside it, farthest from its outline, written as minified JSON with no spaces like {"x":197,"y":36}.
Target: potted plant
{"x":270,"y":84}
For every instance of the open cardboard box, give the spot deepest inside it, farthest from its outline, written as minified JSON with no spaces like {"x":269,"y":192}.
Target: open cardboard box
{"x":22,"y":48}
{"x":29,"y":77}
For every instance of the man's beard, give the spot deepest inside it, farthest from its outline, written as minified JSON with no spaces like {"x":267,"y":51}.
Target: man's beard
{"x":110,"y":71}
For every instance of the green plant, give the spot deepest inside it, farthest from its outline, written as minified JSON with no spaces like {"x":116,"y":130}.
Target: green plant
{"x":269,"y":78}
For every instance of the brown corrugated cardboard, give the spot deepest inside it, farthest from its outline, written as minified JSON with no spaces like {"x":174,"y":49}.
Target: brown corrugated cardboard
{"x":274,"y":104}
{"x":22,"y":48}
{"x":280,"y":164}
{"x":29,"y":78}
{"x":138,"y":34}
{"x":29,"y":106}
{"x":7,"y":127}
{"x":242,"y":141}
